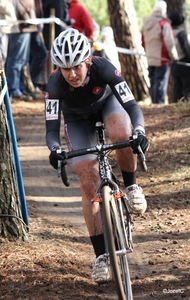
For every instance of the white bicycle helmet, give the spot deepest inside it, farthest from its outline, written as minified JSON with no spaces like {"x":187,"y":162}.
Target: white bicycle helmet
{"x":70,"y":48}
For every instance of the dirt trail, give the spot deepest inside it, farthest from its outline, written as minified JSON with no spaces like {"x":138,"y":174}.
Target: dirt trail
{"x":41,"y":181}
{"x":160,"y":262}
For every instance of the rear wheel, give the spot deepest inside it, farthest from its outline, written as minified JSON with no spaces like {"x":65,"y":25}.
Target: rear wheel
{"x":116,"y":245}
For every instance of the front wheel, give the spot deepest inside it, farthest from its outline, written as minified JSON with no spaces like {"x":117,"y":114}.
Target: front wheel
{"x":114,"y":235}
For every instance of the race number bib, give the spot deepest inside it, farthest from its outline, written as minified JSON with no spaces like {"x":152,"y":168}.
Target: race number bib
{"x":124,"y":91}
{"x":52,"y":109}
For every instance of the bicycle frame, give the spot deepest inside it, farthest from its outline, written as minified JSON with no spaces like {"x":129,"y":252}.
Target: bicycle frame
{"x":116,"y":218}
{"x":117,"y":230}
{"x":108,"y":178}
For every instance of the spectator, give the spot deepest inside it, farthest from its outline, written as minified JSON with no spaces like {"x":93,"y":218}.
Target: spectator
{"x":38,"y":54}
{"x":7,"y":12}
{"x":180,"y":73}
{"x":83,"y":21}
{"x":158,"y":42}
{"x":96,"y":31}
{"x":61,"y":12}
{"x":107,"y":47}
{"x":97,"y":47}
{"x":19,"y":50}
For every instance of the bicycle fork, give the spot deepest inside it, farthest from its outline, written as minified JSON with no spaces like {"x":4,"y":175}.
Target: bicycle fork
{"x":127,"y":224}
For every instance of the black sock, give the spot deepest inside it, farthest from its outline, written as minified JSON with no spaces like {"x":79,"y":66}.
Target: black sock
{"x":98,"y":244}
{"x":129,"y":178}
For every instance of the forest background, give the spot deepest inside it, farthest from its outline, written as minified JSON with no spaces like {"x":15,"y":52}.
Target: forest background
{"x":99,"y":11}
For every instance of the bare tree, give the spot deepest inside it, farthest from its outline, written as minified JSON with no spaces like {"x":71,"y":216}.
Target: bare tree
{"x":12,"y":225}
{"x":123,"y":19}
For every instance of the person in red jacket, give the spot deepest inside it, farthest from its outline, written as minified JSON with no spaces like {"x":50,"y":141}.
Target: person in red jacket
{"x":83,"y":21}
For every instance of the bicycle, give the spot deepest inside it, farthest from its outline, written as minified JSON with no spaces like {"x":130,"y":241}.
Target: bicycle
{"x":116,"y":217}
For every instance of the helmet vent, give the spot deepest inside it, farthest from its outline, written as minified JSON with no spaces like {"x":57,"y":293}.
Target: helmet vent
{"x":70,"y":48}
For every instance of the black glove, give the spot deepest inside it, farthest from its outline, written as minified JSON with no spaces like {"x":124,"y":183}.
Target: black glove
{"x":54,"y":157}
{"x":139,"y":138}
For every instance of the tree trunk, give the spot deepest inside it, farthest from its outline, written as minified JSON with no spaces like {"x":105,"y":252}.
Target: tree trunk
{"x":12,"y":226}
{"x":177,"y":5}
{"x":133,"y":67}
{"x":172,"y":6}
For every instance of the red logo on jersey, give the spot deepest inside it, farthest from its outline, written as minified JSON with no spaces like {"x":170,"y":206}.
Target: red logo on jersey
{"x":97,"y":90}
{"x":117,"y":73}
{"x":46,"y":95}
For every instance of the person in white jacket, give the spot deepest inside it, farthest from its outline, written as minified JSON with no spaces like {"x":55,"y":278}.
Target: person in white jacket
{"x":159,"y":44}
{"x":7,"y":13}
{"x":107,"y":47}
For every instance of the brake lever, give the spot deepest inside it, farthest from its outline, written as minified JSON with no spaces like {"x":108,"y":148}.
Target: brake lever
{"x":141,"y":156}
{"x":142,"y":159}
{"x":61,"y":172}
{"x":59,"y":164}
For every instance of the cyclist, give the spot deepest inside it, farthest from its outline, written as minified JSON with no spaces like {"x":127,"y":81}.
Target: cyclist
{"x":87,"y":89}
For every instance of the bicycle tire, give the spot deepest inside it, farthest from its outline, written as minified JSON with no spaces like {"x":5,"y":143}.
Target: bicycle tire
{"x":120,"y":243}
{"x":115,"y":242}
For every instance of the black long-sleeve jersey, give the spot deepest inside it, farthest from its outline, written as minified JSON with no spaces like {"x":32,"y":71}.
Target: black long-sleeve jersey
{"x":102,"y":79}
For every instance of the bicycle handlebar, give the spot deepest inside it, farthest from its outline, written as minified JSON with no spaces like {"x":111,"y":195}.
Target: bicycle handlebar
{"x":97,"y":149}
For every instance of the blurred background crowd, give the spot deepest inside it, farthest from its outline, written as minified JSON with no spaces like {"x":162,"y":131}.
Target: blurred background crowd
{"x":25,"y":46}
